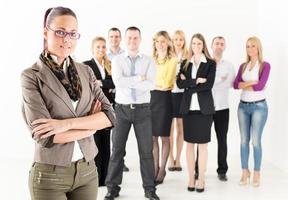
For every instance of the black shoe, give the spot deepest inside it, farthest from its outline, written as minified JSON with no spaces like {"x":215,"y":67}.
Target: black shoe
{"x":196,"y":175}
{"x":125,"y":168}
{"x":151,"y":195}
{"x":200,"y":189}
{"x":222,"y":177}
{"x":111,"y":195}
{"x":191,"y":189}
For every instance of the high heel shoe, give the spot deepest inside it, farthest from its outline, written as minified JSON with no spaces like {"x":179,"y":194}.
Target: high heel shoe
{"x":201,"y":189}
{"x":160,"y":181}
{"x":245,"y":179}
{"x":191,"y":189}
{"x":256,"y":179}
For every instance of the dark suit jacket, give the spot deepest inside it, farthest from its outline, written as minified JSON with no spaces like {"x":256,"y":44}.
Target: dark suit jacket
{"x":204,"y":90}
{"x":107,"y":83}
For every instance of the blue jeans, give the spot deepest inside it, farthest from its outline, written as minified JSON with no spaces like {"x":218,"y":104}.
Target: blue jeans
{"x":252,"y":118}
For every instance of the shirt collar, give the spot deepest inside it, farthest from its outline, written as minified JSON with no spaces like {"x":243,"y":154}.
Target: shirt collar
{"x":65,"y":63}
{"x":109,"y":52}
{"x":97,"y":63}
{"x":202,"y":59}
{"x":140,"y":55}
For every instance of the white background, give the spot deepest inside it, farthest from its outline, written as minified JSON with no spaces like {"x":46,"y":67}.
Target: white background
{"x":21,"y":43}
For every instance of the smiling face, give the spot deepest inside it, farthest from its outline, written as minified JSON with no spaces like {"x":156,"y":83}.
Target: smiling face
{"x":99,"y":49}
{"x":133,"y":39}
{"x":161,"y":44}
{"x":197,"y":46}
{"x":61,"y":47}
{"x":114,"y":38}
{"x":178,"y":42}
{"x":252,"y":48}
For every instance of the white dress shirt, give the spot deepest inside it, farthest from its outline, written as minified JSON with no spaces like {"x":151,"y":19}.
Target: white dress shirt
{"x":124,"y":81}
{"x":194,"y":104}
{"x":101,"y":69}
{"x":224,"y":78}
{"x":252,"y":75}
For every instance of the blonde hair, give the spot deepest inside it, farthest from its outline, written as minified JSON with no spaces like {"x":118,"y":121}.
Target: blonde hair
{"x":184,"y":48}
{"x":170,"y":52}
{"x":260,"y":53}
{"x":106,"y":61}
{"x":204,"y":50}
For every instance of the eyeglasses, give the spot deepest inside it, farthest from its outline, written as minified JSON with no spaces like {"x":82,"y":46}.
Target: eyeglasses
{"x":63,"y":34}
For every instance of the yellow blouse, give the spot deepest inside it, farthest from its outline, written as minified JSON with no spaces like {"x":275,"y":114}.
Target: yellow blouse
{"x":166,"y":73}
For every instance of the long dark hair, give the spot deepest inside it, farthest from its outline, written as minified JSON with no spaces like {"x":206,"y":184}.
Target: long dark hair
{"x":52,"y":13}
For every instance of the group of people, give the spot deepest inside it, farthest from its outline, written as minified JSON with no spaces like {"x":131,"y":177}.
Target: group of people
{"x":71,"y":108}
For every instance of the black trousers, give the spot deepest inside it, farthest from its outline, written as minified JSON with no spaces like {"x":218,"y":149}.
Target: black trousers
{"x":102,"y":140}
{"x":138,"y":115}
{"x":221,"y":123}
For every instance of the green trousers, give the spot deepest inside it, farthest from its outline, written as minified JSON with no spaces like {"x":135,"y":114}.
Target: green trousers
{"x":52,"y":182}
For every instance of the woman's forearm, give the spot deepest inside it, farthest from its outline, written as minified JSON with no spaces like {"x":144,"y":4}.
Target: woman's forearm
{"x":95,"y":121}
{"x":72,"y":135}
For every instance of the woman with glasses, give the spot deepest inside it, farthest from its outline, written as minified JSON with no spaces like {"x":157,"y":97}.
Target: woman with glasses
{"x":63,"y":106}
{"x":252,"y":110}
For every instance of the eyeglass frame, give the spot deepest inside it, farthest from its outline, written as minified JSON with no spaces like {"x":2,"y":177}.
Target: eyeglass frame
{"x":66,"y":33}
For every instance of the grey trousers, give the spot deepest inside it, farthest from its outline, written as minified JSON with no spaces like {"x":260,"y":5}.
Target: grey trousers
{"x":79,"y":181}
{"x":138,"y":115}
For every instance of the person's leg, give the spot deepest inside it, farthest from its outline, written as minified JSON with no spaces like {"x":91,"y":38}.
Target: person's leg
{"x":164,"y":157}
{"x":190,"y":158}
{"x":106,"y":155}
{"x":221,"y":121}
{"x":259,"y":118}
{"x":156,"y":155}
{"x":244,"y":119}
{"x":143,"y":131}
{"x":171,"y":156}
{"x":179,"y":143}
{"x":46,"y":183}
{"x":85,"y":185}
{"x":119,"y":139}
{"x":203,"y":156}
{"x":99,"y":157}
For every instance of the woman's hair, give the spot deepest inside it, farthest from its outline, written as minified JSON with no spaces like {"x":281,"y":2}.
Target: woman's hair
{"x":184,"y":48}
{"x":170,"y":52}
{"x":106,"y":61}
{"x":191,"y":53}
{"x":260,"y":54}
{"x":52,"y":13}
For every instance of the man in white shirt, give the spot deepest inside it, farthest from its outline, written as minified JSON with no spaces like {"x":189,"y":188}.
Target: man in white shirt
{"x":134,"y":77}
{"x":114,"y":39}
{"x":223,"y":82}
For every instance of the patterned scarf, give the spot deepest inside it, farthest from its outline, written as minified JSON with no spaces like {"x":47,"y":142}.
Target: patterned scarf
{"x":71,"y":82}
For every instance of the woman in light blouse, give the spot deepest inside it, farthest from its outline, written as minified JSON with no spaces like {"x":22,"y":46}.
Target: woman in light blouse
{"x":180,"y":49}
{"x":252,"y":111}
{"x":161,"y":101}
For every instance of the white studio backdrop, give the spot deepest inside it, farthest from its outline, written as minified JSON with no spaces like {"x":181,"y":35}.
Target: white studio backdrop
{"x":21,"y":43}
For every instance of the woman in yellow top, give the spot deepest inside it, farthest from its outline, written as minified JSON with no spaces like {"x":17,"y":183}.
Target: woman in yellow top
{"x":161,"y":100}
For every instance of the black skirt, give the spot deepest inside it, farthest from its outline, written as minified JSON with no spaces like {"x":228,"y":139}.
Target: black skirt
{"x":161,"y":111}
{"x":197,"y":127}
{"x":176,"y":102}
